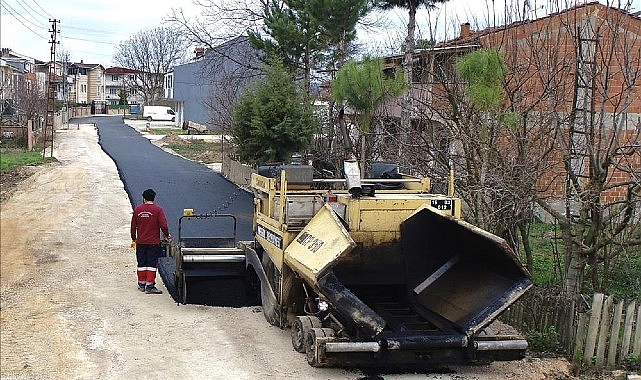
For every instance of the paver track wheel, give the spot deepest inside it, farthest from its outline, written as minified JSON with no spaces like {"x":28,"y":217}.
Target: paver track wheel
{"x":311,"y":345}
{"x":302,"y":325}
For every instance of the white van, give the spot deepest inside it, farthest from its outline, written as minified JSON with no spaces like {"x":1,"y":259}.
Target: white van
{"x":158,"y":113}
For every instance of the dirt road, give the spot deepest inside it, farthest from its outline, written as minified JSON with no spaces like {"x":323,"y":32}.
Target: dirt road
{"x":70,"y":307}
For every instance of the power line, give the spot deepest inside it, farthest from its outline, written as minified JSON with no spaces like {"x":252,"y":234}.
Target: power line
{"x":11,"y":11}
{"x":86,"y":40}
{"x":47,"y":13}
{"x":24,"y":6}
{"x":17,"y":13}
{"x":91,"y":52}
{"x":93,"y":30}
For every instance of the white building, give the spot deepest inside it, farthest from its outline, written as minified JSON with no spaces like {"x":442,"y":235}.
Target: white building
{"x":118,"y":79}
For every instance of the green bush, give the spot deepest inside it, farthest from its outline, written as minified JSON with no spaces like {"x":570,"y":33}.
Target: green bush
{"x":273,"y":119}
{"x":632,"y":362}
{"x":544,"y":341}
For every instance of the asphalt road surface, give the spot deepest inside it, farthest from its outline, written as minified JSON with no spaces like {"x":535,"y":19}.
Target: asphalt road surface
{"x":179,"y":183}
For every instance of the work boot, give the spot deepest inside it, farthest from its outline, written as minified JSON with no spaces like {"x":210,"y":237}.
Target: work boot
{"x":151,"y":289}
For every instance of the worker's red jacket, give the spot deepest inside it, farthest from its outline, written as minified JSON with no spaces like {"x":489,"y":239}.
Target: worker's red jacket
{"x":147,"y":222}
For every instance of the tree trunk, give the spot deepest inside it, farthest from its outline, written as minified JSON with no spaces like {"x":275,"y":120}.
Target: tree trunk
{"x":406,"y":105}
{"x":574,"y":266}
{"x":529,"y":259}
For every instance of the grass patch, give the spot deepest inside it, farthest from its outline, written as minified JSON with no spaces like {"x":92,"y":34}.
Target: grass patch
{"x":547,"y":250}
{"x":167,"y":131}
{"x":10,"y":159}
{"x":199,"y":150}
{"x":544,"y":243}
{"x":623,"y":279}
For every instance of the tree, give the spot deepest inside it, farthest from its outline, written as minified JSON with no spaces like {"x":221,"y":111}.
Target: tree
{"x":273,"y":119}
{"x":28,"y":95}
{"x":560,"y":144}
{"x":122,"y":97}
{"x":290,"y":35}
{"x":599,"y":149}
{"x":151,"y":54}
{"x":313,"y":37}
{"x":220,"y":20}
{"x":363,"y":87}
{"x":337,"y":20}
{"x":300,"y":32}
{"x":408,"y":49}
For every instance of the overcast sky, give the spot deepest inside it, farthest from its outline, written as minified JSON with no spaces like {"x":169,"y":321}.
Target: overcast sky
{"x":91,"y":30}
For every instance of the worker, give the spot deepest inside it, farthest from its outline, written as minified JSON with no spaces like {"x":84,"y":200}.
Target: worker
{"x":147,"y":221}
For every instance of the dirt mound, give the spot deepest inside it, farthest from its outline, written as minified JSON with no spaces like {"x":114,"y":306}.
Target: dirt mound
{"x":9,"y":180}
{"x":172,"y":138}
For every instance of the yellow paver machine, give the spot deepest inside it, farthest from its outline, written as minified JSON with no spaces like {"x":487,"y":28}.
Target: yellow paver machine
{"x":378,"y":272}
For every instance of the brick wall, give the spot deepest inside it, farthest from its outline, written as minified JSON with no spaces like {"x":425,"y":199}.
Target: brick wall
{"x":544,"y":52}
{"x":542,"y":60}
{"x":552,"y":183}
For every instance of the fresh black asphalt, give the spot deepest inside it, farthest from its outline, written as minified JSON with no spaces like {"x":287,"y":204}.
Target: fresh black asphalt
{"x":179,"y":183}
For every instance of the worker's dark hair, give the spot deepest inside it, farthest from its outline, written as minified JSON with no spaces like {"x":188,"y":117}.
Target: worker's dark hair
{"x":149,"y":195}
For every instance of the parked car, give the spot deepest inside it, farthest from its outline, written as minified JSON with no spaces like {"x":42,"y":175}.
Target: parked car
{"x":158,"y":113}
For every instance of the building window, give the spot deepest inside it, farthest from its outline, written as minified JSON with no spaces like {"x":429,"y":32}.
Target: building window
{"x":131,"y":77}
{"x":114,"y":78}
{"x":113,"y":91}
{"x":83,"y":88}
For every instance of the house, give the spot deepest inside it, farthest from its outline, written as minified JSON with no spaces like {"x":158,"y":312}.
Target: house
{"x":577,"y":69}
{"x":205,"y":90}
{"x":87,"y":82}
{"x":17,"y":73}
{"x":120,"y":78}
{"x":11,"y":75}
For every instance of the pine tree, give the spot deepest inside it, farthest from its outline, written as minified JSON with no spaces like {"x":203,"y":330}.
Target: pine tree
{"x":272,"y":120}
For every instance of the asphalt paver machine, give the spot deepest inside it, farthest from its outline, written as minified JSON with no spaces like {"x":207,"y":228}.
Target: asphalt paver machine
{"x":375,"y":272}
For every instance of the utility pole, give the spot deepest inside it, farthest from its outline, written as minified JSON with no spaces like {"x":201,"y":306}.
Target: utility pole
{"x":49,"y":130}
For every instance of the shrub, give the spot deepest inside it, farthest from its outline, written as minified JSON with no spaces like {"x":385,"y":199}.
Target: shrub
{"x":544,"y":341}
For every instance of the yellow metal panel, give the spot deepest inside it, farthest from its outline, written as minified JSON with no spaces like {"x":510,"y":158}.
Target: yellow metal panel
{"x":353,"y":214}
{"x":274,"y":253}
{"x":263,"y":184}
{"x":273,"y":241}
{"x":389,"y":220}
{"x":316,"y":248}
{"x":385,"y":212}
{"x":266,"y":220}
{"x":424,"y":185}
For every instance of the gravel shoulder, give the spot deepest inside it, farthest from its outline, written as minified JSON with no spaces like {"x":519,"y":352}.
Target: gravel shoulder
{"x":69,"y":307}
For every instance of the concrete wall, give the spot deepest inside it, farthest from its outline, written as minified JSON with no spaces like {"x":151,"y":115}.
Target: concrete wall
{"x":236,"y":172}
